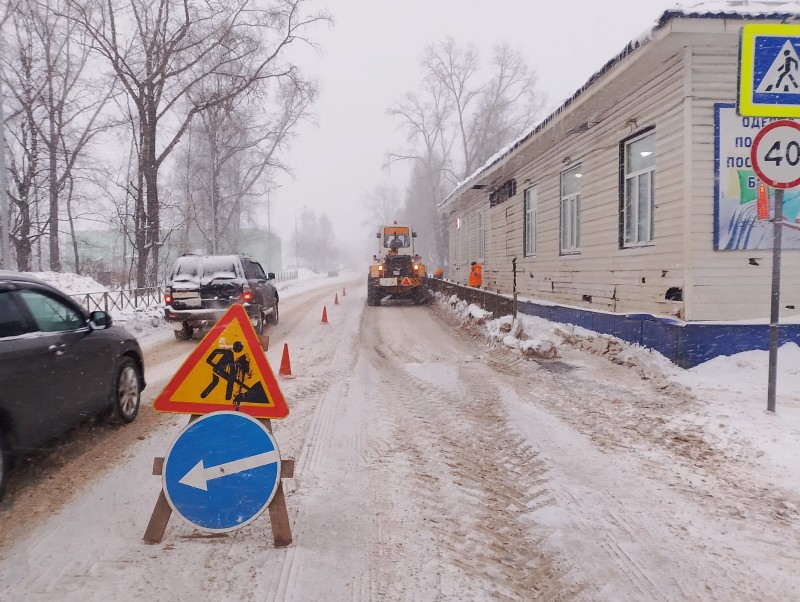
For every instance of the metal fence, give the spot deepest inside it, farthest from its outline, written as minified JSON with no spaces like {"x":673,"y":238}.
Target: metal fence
{"x":141,"y":298}
{"x":137,"y":298}
{"x":498,"y":304}
{"x":286,"y":275}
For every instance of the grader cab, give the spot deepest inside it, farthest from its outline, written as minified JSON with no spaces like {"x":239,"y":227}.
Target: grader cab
{"x":396,"y":270}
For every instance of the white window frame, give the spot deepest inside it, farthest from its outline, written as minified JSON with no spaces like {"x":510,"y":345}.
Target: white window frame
{"x":530,"y":204}
{"x":464,"y":230}
{"x":481,"y":235}
{"x":570,"y":217}
{"x":632,"y":208}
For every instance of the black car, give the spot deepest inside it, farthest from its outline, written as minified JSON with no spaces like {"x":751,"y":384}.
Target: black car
{"x":59,"y":364}
{"x":203,"y":287}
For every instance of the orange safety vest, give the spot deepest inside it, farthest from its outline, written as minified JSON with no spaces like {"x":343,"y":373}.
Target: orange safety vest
{"x":475,"y":278}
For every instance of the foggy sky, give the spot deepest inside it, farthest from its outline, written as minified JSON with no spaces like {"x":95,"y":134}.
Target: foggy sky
{"x":370,"y":57}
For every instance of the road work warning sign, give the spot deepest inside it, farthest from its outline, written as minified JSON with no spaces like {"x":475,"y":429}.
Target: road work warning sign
{"x":226,"y":371}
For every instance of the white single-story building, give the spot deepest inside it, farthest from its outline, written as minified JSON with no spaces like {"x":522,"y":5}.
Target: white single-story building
{"x":637,"y":195}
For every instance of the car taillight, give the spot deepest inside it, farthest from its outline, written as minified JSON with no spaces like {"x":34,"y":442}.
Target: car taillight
{"x":168,"y":298}
{"x":247,"y":295}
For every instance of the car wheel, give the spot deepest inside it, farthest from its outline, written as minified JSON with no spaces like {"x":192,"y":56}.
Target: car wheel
{"x":274,"y":317}
{"x":5,"y":460}
{"x":127,"y":390}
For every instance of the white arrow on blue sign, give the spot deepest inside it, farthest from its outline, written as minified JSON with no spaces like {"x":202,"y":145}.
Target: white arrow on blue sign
{"x":222,"y":471}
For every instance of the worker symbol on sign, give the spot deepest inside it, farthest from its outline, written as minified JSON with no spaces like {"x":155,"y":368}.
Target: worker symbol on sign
{"x":783,"y":76}
{"x":233,"y":370}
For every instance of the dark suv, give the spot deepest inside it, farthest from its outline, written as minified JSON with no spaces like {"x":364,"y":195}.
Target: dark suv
{"x":203,"y":287}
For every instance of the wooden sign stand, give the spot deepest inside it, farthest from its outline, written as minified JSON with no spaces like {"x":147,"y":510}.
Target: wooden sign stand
{"x":278,"y":515}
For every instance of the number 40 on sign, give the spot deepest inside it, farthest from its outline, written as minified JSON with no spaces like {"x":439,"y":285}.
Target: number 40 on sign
{"x":776,"y":154}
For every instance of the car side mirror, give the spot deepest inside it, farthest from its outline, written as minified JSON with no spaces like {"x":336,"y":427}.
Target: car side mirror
{"x":99,"y":320}
{"x":271,"y":276}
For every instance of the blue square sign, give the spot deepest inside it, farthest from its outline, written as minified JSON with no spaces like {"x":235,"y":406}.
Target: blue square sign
{"x":769,"y":71}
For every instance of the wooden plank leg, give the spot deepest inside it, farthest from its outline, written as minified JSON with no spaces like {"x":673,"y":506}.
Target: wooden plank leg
{"x":279,"y":519}
{"x":158,"y":520}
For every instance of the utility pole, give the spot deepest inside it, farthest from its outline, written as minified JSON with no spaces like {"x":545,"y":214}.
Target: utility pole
{"x":5,"y":258}
{"x":296,"y":247}
{"x":269,"y":235}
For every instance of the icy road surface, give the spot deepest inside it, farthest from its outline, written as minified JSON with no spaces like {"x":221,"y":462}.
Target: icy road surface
{"x":430,"y":466}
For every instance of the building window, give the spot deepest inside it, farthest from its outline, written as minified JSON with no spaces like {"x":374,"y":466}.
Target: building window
{"x":482,"y":235}
{"x":638,"y":188}
{"x":571,"y":210}
{"x":529,"y":234}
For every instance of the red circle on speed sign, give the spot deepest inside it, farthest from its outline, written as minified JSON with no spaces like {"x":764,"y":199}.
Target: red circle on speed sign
{"x":776,"y":154}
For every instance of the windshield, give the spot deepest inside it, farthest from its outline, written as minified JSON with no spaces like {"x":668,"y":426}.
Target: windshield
{"x":187,"y":269}
{"x":396,"y":238}
{"x":219,"y":268}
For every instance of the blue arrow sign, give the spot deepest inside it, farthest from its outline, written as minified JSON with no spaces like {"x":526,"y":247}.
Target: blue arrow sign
{"x":222,"y":471}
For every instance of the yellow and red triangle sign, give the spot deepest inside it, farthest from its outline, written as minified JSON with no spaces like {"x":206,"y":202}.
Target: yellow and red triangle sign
{"x":228,"y":370}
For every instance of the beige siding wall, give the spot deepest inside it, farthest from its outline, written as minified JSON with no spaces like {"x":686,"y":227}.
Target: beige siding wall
{"x":672,"y":84}
{"x":615,"y":279}
{"x":724,"y":284}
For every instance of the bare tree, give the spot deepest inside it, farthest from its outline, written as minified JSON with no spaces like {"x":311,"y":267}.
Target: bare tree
{"x":21,"y":79}
{"x":316,"y":240}
{"x":381,"y":205}
{"x":425,"y":120}
{"x":466,"y":106}
{"x":241,"y":142}
{"x":168,"y":49}
{"x":489,"y":109}
{"x":72,"y":102}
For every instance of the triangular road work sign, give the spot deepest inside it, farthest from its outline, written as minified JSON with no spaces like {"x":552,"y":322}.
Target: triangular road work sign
{"x":783,"y":76}
{"x":226,"y":371}
{"x":406,"y":281}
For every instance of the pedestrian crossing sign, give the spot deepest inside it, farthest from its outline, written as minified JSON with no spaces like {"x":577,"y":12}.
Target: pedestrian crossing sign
{"x":769,"y":71}
{"x":227,"y":370}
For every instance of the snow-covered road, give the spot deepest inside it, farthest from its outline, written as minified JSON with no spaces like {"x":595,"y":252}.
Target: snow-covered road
{"x":430,"y":466}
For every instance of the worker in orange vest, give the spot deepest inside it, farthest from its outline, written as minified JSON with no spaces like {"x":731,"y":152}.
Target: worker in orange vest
{"x":475,"y":278}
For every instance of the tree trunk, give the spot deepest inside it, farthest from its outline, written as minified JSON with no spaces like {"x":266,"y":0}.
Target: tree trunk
{"x":71,"y":221}
{"x":153,"y":226}
{"x":52,"y":148}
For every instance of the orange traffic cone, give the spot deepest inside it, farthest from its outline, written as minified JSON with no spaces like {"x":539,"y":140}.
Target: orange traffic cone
{"x":324,"y":314}
{"x":344,"y":293}
{"x":286,"y":365}
{"x":336,"y":299}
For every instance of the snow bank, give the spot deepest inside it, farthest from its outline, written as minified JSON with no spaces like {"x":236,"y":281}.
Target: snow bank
{"x":69,"y":283}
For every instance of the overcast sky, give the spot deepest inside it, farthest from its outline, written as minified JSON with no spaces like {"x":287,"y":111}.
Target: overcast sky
{"x":370,"y":57}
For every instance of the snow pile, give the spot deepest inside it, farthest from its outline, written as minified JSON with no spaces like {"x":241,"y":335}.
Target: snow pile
{"x":69,"y":283}
{"x":538,"y":338}
{"x":139,"y":321}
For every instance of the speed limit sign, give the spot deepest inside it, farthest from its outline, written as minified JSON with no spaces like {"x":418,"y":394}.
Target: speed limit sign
{"x":776,"y":154}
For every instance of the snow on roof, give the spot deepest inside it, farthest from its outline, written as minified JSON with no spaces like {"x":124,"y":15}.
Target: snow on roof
{"x":710,"y":9}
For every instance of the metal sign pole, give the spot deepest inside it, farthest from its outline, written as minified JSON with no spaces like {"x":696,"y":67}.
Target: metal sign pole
{"x":774,"y":314}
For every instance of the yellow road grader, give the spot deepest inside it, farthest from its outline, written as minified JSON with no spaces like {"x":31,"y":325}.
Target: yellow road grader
{"x":396,"y":270}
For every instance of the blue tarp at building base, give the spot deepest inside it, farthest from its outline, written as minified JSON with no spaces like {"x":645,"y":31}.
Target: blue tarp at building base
{"x":686,"y":344}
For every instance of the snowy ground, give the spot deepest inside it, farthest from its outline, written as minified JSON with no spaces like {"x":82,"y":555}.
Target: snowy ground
{"x":438,"y":458}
